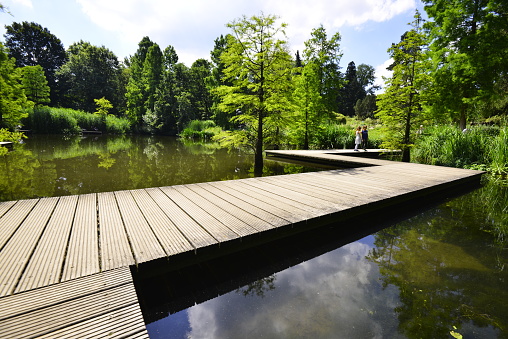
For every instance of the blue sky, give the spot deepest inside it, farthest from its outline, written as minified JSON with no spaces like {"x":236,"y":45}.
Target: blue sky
{"x":367,"y":27}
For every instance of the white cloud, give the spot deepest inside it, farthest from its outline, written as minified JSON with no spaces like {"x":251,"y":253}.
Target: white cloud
{"x":194,"y":24}
{"x":381,"y":71}
{"x":334,"y":295}
{"x":25,"y":3}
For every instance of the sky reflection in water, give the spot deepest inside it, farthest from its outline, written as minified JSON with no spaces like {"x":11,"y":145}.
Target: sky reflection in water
{"x":336,"y":295}
{"x":439,"y":272}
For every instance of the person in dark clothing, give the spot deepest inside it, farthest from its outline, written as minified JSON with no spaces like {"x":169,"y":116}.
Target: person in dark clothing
{"x":365,"y":137}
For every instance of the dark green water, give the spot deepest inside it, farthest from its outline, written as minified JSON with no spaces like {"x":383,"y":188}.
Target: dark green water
{"x":53,"y":165}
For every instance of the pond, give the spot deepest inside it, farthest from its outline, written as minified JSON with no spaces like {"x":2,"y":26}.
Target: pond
{"x":434,"y":272}
{"x":441,"y":272}
{"x":54,"y":165}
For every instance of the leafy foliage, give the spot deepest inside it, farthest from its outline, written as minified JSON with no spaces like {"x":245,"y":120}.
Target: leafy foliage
{"x":35,"y":84}
{"x":32,"y":45}
{"x":13,"y":100}
{"x":258,"y":67}
{"x":399,"y":107}
{"x":92,"y":72}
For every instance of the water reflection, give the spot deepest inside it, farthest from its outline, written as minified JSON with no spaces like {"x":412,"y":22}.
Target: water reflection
{"x":50,"y":165}
{"x":439,"y":273}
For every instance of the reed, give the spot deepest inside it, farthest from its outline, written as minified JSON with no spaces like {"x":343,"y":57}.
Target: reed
{"x":482,"y":147}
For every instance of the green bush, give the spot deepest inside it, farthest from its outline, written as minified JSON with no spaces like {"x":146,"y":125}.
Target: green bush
{"x":117,"y":125}
{"x":476,"y":147}
{"x":333,"y":136}
{"x":342,"y":137}
{"x":69,"y":121}
{"x":200,"y":129}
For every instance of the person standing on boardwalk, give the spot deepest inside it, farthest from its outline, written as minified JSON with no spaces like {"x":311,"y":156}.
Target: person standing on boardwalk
{"x":358,"y":137}
{"x":365,"y":137}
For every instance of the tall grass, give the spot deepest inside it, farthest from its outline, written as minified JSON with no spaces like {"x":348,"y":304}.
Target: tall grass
{"x":69,"y":121}
{"x":341,"y":137}
{"x":478,"y":147}
{"x":200,"y":129}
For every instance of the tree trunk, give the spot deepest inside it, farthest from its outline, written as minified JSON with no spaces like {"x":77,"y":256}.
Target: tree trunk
{"x":258,"y":153}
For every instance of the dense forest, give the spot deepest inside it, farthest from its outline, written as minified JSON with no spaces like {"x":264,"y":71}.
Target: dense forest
{"x":450,"y":69}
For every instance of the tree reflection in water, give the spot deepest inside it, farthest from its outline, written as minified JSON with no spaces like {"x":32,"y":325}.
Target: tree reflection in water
{"x":449,"y":265}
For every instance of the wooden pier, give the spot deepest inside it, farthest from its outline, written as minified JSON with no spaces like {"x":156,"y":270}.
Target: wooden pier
{"x":65,"y":262}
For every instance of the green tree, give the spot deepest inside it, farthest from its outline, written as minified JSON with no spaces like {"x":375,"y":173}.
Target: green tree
{"x":199,"y":87}
{"x":308,"y":103}
{"x":326,"y":54}
{"x":146,"y":74}
{"x":13,"y":100}
{"x":258,"y":66}
{"x":103,"y":106}
{"x":366,"y":107}
{"x":221,"y":118}
{"x":401,"y":103}
{"x":366,"y":75}
{"x":92,"y":72}
{"x":31,"y":45}
{"x":352,"y":91}
{"x":35,"y":84}
{"x":469,"y":51}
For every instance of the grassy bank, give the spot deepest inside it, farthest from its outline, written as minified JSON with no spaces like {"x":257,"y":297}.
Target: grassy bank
{"x":69,"y":121}
{"x":482,"y":147}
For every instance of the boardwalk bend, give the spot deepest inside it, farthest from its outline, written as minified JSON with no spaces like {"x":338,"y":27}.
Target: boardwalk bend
{"x":65,"y":262}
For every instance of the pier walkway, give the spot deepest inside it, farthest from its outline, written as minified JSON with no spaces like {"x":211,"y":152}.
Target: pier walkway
{"x":65,"y":262}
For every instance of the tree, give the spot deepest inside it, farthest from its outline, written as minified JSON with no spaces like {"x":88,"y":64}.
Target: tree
{"x":35,"y":84}
{"x":91,"y":72}
{"x":351,"y":92}
{"x":469,"y":51}
{"x":366,"y":107}
{"x":326,"y":54}
{"x":13,"y":99}
{"x":308,"y":102}
{"x":366,"y":75}
{"x":146,"y":74}
{"x":221,"y":118}
{"x":31,"y":45}
{"x":258,"y":66}
{"x":401,"y":103}
{"x":199,"y":87}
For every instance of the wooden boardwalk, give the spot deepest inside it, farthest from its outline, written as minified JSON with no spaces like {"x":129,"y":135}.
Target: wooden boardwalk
{"x":60,"y":256}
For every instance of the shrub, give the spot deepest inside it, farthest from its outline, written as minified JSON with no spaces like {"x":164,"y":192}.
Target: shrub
{"x":69,"y":121}
{"x":200,"y":129}
{"x":472,"y":148}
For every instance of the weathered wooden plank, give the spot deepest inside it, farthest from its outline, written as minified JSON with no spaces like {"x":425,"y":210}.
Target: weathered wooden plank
{"x":44,"y":321}
{"x":271,"y":220}
{"x":192,"y":231}
{"x":115,"y":248}
{"x":320,"y":205}
{"x":342,"y":200}
{"x":226,"y":219}
{"x":348,"y":190}
{"x":5,"y":206}
{"x":260,"y":203}
{"x":172,"y":240}
{"x":11,"y":220}
{"x":230,"y":207}
{"x":17,"y":252}
{"x":37,"y":299}
{"x":83,"y":250}
{"x":46,"y":263}
{"x":298,"y":210}
{"x":205,"y":220}
{"x":145,"y":245}
{"x":125,"y":322}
